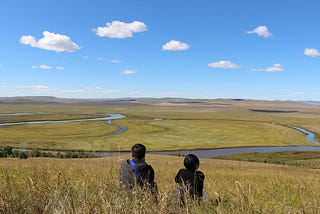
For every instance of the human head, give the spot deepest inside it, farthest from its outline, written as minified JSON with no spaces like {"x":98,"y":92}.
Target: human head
{"x":191,"y":162}
{"x":138,"y":151}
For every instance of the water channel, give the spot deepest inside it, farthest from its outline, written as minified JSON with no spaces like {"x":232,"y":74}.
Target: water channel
{"x":202,"y":153}
{"x":109,"y":117}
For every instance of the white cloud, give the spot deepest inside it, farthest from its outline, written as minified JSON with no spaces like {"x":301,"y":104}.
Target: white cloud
{"x":34,"y":87}
{"x":274,"y":68}
{"x":127,"y":72}
{"x":120,"y":30}
{"x":114,"y":61}
{"x":261,"y":31}
{"x":312,"y":52}
{"x":223,"y":64}
{"x":51,"y":41}
{"x":109,"y":60}
{"x":85,"y":57}
{"x":43,"y":67}
{"x":174,"y":45}
{"x":47,"y":67}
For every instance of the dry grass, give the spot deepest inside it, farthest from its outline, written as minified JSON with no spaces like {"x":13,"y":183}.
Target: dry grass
{"x":91,"y":186}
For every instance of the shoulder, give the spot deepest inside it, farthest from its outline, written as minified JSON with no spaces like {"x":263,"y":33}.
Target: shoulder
{"x":149,"y":167}
{"x":125,"y":163}
{"x":181,"y":172}
{"x":200,"y":174}
{"x":146,"y":167}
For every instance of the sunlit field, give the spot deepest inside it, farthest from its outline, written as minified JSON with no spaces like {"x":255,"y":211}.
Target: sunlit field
{"x":51,"y":185}
{"x":160,"y":125}
{"x":91,"y":186}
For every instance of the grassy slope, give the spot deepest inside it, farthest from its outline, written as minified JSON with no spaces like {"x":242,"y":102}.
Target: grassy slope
{"x":88,"y":186}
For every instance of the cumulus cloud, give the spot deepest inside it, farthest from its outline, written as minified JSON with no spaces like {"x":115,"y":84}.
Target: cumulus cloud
{"x":312,"y":52}
{"x":127,"y":72}
{"x":261,"y":31}
{"x":175,"y":45}
{"x":120,"y":30}
{"x":274,"y":68}
{"x":51,"y":41}
{"x":223,"y":64}
{"x":60,"y":68}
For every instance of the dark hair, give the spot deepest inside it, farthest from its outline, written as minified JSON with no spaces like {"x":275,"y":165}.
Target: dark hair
{"x":138,"y":151}
{"x":191,"y":162}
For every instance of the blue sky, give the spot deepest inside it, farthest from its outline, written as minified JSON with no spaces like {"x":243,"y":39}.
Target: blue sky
{"x":266,"y":49}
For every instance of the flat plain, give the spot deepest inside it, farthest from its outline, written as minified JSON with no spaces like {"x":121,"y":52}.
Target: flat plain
{"x":160,"y":124}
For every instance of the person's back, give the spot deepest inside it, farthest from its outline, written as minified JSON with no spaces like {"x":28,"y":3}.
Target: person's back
{"x":189,"y":179}
{"x":137,"y":171}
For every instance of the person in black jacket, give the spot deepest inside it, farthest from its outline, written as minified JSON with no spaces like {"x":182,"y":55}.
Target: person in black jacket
{"x":137,"y":171}
{"x":189,"y":179}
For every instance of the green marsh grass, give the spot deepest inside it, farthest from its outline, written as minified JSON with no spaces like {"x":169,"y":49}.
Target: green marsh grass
{"x":217,"y":124}
{"x":187,"y":132}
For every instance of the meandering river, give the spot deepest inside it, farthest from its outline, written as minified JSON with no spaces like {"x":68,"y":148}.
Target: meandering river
{"x":109,"y":117}
{"x":203,"y":153}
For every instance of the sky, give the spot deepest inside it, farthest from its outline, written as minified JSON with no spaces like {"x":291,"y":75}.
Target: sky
{"x":207,"y":49}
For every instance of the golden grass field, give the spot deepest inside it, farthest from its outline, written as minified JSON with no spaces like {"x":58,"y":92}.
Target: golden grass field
{"x":48,"y":185}
{"x":40,"y":185}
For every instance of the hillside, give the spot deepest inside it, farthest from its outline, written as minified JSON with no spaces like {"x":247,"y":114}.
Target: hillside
{"x":91,"y":186}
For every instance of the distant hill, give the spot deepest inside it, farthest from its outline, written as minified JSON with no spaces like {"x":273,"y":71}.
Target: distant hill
{"x":257,"y":105}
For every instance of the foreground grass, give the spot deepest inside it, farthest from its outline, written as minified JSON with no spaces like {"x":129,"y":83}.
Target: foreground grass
{"x":91,"y":186}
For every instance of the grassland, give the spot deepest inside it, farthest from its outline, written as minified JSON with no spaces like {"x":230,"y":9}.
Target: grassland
{"x":49,"y":185}
{"x":184,"y":125}
{"x":306,"y":159}
{"x":42,"y":185}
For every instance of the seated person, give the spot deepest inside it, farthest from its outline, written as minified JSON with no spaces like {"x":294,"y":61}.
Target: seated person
{"x":189,"y":179}
{"x":137,"y":171}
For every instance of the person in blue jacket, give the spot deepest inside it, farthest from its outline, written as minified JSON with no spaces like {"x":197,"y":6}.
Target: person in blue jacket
{"x":136,"y":171}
